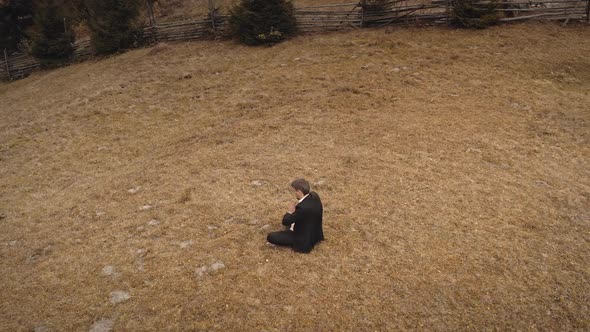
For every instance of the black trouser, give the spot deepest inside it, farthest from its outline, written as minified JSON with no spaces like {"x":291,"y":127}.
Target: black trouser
{"x":282,"y":238}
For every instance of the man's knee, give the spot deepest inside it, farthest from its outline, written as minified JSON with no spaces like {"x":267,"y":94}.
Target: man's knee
{"x":274,"y":238}
{"x":270,"y":238}
{"x":284,"y":238}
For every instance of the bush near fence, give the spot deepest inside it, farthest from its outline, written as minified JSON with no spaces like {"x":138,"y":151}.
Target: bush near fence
{"x":325,"y":18}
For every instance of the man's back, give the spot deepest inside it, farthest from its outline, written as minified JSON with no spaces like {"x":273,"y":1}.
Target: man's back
{"x":303,"y":220}
{"x":308,"y":225}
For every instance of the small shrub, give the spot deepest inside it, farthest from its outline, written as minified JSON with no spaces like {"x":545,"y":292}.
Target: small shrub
{"x":273,"y":37}
{"x":473,"y":15}
{"x":258,"y":22}
{"x":53,"y":38}
{"x":375,"y":5}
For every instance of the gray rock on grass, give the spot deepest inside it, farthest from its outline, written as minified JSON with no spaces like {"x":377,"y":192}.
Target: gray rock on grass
{"x":134,"y":190}
{"x":217,"y":266}
{"x":201,"y":271}
{"x":186,"y":244}
{"x":145,"y":207}
{"x":41,"y":328}
{"x":103,"y":325}
{"x":119,"y":296}
{"x":110,"y":271}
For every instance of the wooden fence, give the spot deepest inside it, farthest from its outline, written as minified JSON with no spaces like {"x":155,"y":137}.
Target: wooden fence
{"x":183,"y":30}
{"x":326,"y":18}
{"x":17,"y":66}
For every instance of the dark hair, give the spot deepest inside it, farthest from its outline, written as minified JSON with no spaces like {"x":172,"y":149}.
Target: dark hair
{"x":302,"y":185}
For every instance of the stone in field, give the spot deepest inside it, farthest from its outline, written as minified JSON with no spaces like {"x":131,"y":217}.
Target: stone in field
{"x":134,"y":190}
{"x":119,"y":296}
{"x":103,"y":325}
{"x":145,"y":207}
{"x":201,"y":271}
{"x":217,"y":266}
{"x":186,"y":244}
{"x":109,"y":271}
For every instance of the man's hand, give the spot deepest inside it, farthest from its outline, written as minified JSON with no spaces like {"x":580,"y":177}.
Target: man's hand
{"x":291,"y":208}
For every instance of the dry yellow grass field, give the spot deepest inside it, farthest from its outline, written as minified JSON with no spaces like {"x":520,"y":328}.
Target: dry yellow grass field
{"x":453,"y":166}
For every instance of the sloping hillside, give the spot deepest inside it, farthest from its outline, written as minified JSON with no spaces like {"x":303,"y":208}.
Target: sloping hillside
{"x":136,"y":191}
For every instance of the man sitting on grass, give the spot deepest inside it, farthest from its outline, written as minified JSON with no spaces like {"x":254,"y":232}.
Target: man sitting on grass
{"x":303,"y":220}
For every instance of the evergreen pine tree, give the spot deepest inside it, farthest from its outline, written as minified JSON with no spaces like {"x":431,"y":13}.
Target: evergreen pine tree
{"x":15,"y":17}
{"x":257,"y":22}
{"x":112,"y":23}
{"x":53,"y":38}
{"x":473,"y":14}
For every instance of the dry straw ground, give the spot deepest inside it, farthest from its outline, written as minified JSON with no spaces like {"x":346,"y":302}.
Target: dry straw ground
{"x":454,"y":168}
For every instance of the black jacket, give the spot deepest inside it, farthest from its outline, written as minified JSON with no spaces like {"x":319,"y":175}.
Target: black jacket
{"x":308,"y":223}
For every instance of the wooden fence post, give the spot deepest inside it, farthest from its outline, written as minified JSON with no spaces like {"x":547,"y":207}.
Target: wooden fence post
{"x":6,"y":62}
{"x":212,"y":14}
{"x":588,"y":12}
{"x":363,"y":4}
{"x":362,"y":17}
{"x":448,"y":12}
{"x":153,"y":37}
{"x":150,"y":11}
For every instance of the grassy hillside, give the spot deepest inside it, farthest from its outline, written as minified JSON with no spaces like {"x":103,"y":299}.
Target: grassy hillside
{"x":453,"y":166}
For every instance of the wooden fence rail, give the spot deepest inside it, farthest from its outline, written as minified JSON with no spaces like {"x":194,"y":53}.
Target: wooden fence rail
{"x":320,"y":18}
{"x":186,"y":30}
